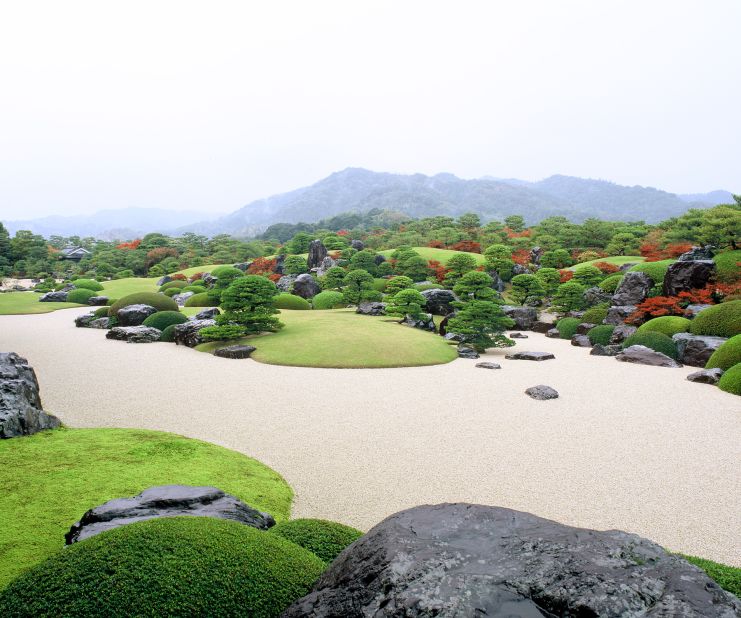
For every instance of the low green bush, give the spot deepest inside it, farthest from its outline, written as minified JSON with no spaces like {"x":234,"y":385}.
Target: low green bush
{"x":567,"y":327}
{"x":727,"y":266}
{"x":102,"y":312}
{"x":329,"y":299}
{"x":88,"y":284}
{"x":226,"y":271}
{"x":80,"y":295}
{"x":168,"y":334}
{"x":200,"y":300}
{"x":656,"y":341}
{"x":380,"y":284}
{"x":654,"y":270}
{"x":162,"y":319}
{"x":324,"y":539}
{"x":170,"y":292}
{"x":722,"y":320}
{"x":727,"y":355}
{"x":196,"y":289}
{"x":668,"y":325}
{"x":611,"y":284}
{"x":730,"y":381}
{"x":600,"y":334}
{"x":291,"y":301}
{"x":173,"y":284}
{"x":173,"y":566}
{"x":159,"y":301}
{"x":596,"y":314}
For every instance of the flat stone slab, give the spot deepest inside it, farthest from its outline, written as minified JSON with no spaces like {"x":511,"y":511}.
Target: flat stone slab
{"x":517,"y":336}
{"x":581,"y":341}
{"x":605,"y":350}
{"x":134,"y":334}
{"x":530,"y":356}
{"x":542,"y":392}
{"x":488,"y":365}
{"x":235,"y":351}
{"x":706,"y":376}
{"x":465,"y":351}
{"x":642,"y":355}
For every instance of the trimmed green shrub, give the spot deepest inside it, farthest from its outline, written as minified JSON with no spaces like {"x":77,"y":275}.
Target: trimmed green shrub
{"x":610,"y":285}
{"x":727,"y":577}
{"x":596,"y":314}
{"x":428,"y":286}
{"x":668,"y":325}
{"x":162,"y":319}
{"x":196,"y":289}
{"x":727,"y":266}
{"x":324,"y":539}
{"x":159,"y":301}
{"x":173,"y":284}
{"x":200,"y":300}
{"x":199,"y":282}
{"x":656,"y":341}
{"x":80,"y":295}
{"x":600,"y":334}
{"x":727,"y":355}
{"x":567,"y":327}
{"x":654,"y":270}
{"x":88,"y":284}
{"x":168,"y":335}
{"x":170,"y":292}
{"x":329,"y":299}
{"x":730,"y":381}
{"x":588,"y":275}
{"x":172,"y":566}
{"x":722,"y":320}
{"x":101,"y":312}
{"x":291,"y":301}
{"x":226,"y":271}
{"x":380,"y":284}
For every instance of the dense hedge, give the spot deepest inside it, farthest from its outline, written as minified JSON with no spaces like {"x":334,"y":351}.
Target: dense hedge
{"x":199,"y":300}
{"x":730,"y":381}
{"x":667,"y":325}
{"x":175,"y":566}
{"x":162,"y":319}
{"x":722,"y":320}
{"x":291,"y":301}
{"x":655,"y":270}
{"x":159,"y":301}
{"x":727,"y":355}
{"x":600,"y":334}
{"x":329,"y":299}
{"x":173,"y":284}
{"x":567,"y":327}
{"x":656,"y":341}
{"x":168,"y":335}
{"x":88,"y":284}
{"x":727,"y":266}
{"x":324,"y":539}
{"x":611,"y":283}
{"x":80,"y":295}
{"x":596,"y":314}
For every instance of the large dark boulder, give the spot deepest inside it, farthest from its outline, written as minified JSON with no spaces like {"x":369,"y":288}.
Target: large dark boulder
{"x":379,"y":259}
{"x":542,"y":392}
{"x":698,"y":253}
{"x":686,"y":276}
{"x":279,"y":263}
{"x":207,"y":314}
{"x":187,"y":334}
{"x":285,"y":283}
{"x":584,"y":328}
{"x":317,"y":252}
{"x":461,"y":560}
{"x":97,"y":301}
{"x":642,"y":355}
{"x":519,"y":269}
{"x":617,"y":314}
{"x":21,"y":413}
{"x":371,"y":308}
{"x":622,"y":332}
{"x":102,"y":323}
{"x":466,"y":351}
{"x":633,"y":289}
{"x":696,"y":350}
{"x":134,"y":334}
{"x":439,"y":302}
{"x":84,"y":320}
{"x":166,"y":501}
{"x":326,"y":264}
{"x":605,"y":350}
{"x":581,"y":341}
{"x":596,"y":296}
{"x":706,"y":376}
{"x":54,"y":297}
{"x":358,"y":245}
{"x":163,"y":280}
{"x":524,"y":317}
{"x":134,"y":315}
{"x":306,"y":286}
{"x":535,"y":254}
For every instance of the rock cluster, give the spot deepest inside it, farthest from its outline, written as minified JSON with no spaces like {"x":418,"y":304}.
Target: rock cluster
{"x":134,"y":334}
{"x":134,"y":315}
{"x":187,"y":334}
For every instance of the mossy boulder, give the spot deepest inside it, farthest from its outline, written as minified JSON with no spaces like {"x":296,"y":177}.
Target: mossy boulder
{"x":88,"y":284}
{"x":324,"y":539}
{"x":596,"y":314}
{"x":730,"y":381}
{"x":200,"y":300}
{"x":601,"y":334}
{"x":329,"y":299}
{"x":567,"y":327}
{"x":656,"y":341}
{"x":179,"y":285}
{"x":159,"y":301}
{"x":722,"y":320}
{"x":80,"y":295}
{"x":668,"y":325}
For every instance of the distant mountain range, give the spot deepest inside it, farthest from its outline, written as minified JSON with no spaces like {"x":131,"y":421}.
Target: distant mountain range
{"x":416,"y":195}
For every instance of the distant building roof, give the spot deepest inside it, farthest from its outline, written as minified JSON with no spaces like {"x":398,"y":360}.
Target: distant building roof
{"x":74,"y":253}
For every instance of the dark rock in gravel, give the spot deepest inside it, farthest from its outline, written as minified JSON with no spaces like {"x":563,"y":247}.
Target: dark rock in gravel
{"x":285,"y":283}
{"x":542,"y":392}
{"x":581,"y":341}
{"x":461,"y":560}
{"x":53,"y":297}
{"x":207,"y":314}
{"x":696,"y":350}
{"x":541,"y":327}
{"x":524,"y":317}
{"x":466,"y":351}
{"x":235,"y":351}
{"x":584,"y":328}
{"x":633,"y":289}
{"x":439,"y":302}
{"x":595,"y":296}
{"x":691,"y":311}
{"x":622,"y":332}
{"x":686,"y":276}
{"x":646,"y":356}
{"x":706,"y":376}
{"x":21,"y":413}
{"x":134,"y":334}
{"x":97,"y":301}
{"x":517,"y":336}
{"x":357,"y":245}
{"x":552,"y":333}
{"x":374,"y":308}
{"x":306,"y":286}
{"x":605,"y":350}
{"x":617,"y":314}
{"x":166,"y":501}
{"x":530,"y":356}
{"x":102,"y":323}
{"x":488,"y":365}
{"x":317,"y":252}
{"x":187,"y":334}
{"x":698,"y":253}
{"x":424,"y":322}
{"x":83,"y":321}
{"x":134,"y":315}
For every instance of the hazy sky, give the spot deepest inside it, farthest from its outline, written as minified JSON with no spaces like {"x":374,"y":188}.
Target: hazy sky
{"x":209,"y":105}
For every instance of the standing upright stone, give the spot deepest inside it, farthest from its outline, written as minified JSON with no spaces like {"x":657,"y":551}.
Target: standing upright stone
{"x":633,"y":289}
{"x":317,"y":253}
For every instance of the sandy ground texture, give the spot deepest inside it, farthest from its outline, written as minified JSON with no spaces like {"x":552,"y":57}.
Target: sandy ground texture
{"x":625,"y":446}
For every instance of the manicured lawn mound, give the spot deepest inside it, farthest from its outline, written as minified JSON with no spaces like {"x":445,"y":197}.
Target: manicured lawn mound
{"x":159,"y":301}
{"x":199,"y":300}
{"x":722,"y":320}
{"x":88,"y":284}
{"x":162,"y":319}
{"x":567,"y":327}
{"x":175,"y":566}
{"x":656,"y":341}
{"x":441,"y":255}
{"x":329,"y":299}
{"x":291,"y":301}
{"x":324,"y":539}
{"x":22,"y":303}
{"x":667,"y":325}
{"x":727,"y":577}
{"x":600,"y":334}
{"x":727,"y":355}
{"x":344,"y":339}
{"x":80,"y":296}
{"x":727,"y":266}
{"x":655,"y":270}
{"x":730,"y":381}
{"x":48,"y":480}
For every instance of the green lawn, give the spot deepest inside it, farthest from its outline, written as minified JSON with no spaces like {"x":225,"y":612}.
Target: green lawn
{"x":20,"y":303}
{"x":340,"y":338}
{"x":118,"y":288}
{"x":48,"y":480}
{"x":441,"y":255}
{"x":618,"y":260}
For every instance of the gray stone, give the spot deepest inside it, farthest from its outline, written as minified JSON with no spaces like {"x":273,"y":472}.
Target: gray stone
{"x":461,"y":560}
{"x":686,"y":276}
{"x":166,"y":501}
{"x":134,"y":315}
{"x":627,"y":266}
{"x":524,"y":317}
{"x":696,"y":350}
{"x":187,"y":334}
{"x":326,"y":264}
{"x":584,"y":328}
{"x":53,"y":297}
{"x":102,"y":323}
{"x":517,"y":336}
{"x":317,"y":252}
{"x":622,"y":332}
{"x":530,"y":356}
{"x":466,"y":351}
{"x":535,"y":254}
{"x":552,"y":333}
{"x":306,"y":286}
{"x":243,"y":266}
{"x":97,"y":301}
{"x":698,"y":253}
{"x":21,"y":413}
{"x":379,"y":259}
{"x":633,"y":289}
{"x":357,"y":245}
{"x":209,"y":279}
{"x":424,"y":322}
{"x":371,"y":308}
{"x":285,"y":283}
{"x":83,"y":321}
{"x":519,"y":269}
{"x":134,"y":334}
{"x":235,"y":351}
{"x":706,"y":376}
{"x":279,"y":263}
{"x":542,"y":392}
{"x":207,"y":314}
{"x":595,"y":296}
{"x":541,"y":327}
{"x":646,"y":356}
{"x":605,"y":350}
{"x":691,"y":311}
{"x":581,"y":341}
{"x":163,"y":280}
{"x":454,"y":337}
{"x":617,"y":314}
{"x":488,"y":365}
{"x":182,"y":297}
{"x":439,"y":302}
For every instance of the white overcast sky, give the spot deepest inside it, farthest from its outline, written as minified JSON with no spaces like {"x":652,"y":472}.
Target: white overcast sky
{"x":209,"y":105}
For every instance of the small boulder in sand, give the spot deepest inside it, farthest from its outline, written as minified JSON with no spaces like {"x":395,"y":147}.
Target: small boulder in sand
{"x":642,"y":355}
{"x":530,"y":356}
{"x":235,"y":351}
{"x":488,"y":365}
{"x":542,"y":392}
{"x":706,"y":376}
{"x":466,"y":351}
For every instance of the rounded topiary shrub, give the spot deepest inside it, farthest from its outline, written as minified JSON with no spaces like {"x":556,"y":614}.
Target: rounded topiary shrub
{"x":162,"y":319}
{"x":199,"y":300}
{"x":168,"y":335}
{"x":656,"y":341}
{"x":329,"y":299}
{"x":730,"y":381}
{"x":196,"y":289}
{"x":172,"y":292}
{"x":88,"y":284}
{"x":727,"y":355}
{"x":611,"y":283}
{"x":324,"y":539}
{"x":596,"y":314}
{"x":159,"y":301}
{"x":291,"y":301}
{"x":567,"y":327}
{"x":173,"y":284}
{"x":727,"y":266}
{"x":101,"y":312}
{"x":722,"y":320}
{"x":379,"y":285}
{"x":668,"y":325}
{"x":173,"y":566}
{"x":226,"y":271}
{"x":600,"y":334}
{"x":654,"y":270}
{"x":80,"y":295}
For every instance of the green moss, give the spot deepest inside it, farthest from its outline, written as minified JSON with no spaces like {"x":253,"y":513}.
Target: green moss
{"x":722,"y":320}
{"x":600,"y":334}
{"x":567,"y":327}
{"x":727,"y":266}
{"x":162,"y":319}
{"x":730,"y":381}
{"x":200,"y":300}
{"x":168,"y":334}
{"x":654,"y":270}
{"x":596,"y":314}
{"x":80,"y":295}
{"x":173,"y":284}
{"x":668,"y":325}
{"x":325,"y":539}
{"x":291,"y":301}
{"x":656,"y":341}
{"x":727,"y":355}
{"x":611,"y":283}
{"x":428,"y":286}
{"x":88,"y":284}
{"x":175,"y":566}
{"x":727,"y":577}
{"x":159,"y":301}
{"x":170,"y":292}
{"x":329,"y":299}
{"x":221,"y":272}
{"x":101,"y":312}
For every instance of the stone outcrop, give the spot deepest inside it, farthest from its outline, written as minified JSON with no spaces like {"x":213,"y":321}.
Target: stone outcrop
{"x":187,"y":334}
{"x":326,"y":264}
{"x":581,"y":341}
{"x":706,"y":376}
{"x":466,"y":351}
{"x":696,"y":350}
{"x":166,"y":501}
{"x":553,"y":333}
{"x":595,"y":296}
{"x":488,"y":365}
{"x":698,"y":253}
{"x":84,"y":320}
{"x":97,"y":301}
{"x":617,"y":314}
{"x":541,"y":392}
{"x":357,"y":245}
{"x":317,"y":252}
{"x":371,"y":308}
{"x":686,"y":276}
{"x":524,"y":317}
{"x":53,"y":297}
{"x":633,"y":289}
{"x":182,"y":297}
{"x":584,"y":328}
{"x":518,"y":336}
{"x":134,"y":334}
{"x":599,"y":349}
{"x":207,"y":314}
{"x":424,"y":322}
{"x":306,"y":286}
{"x":285,"y":283}
{"x":134,"y":315}
{"x":101,"y":323}
{"x":622,"y":332}
{"x":235,"y":351}
{"x":530,"y":356}
{"x":439,"y":302}
{"x":646,"y":356}
{"x":691,"y":311}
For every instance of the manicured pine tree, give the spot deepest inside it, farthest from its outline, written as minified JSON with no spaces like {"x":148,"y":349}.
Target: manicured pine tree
{"x":482,"y":324}
{"x":407,"y":302}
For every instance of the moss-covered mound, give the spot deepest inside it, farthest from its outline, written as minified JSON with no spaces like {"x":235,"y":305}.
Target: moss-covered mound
{"x":379,"y":285}
{"x":168,"y":334}
{"x":80,"y":295}
{"x":196,"y":289}
{"x":611,"y":283}
{"x":727,"y":266}
{"x":226,"y":272}
{"x":567,"y":327}
{"x":101,"y":312}
{"x":596,"y":314}
{"x":325,"y":539}
{"x":722,"y":320}
{"x":179,"y":566}
{"x":600,"y":334}
{"x":88,"y":284}
{"x":654,"y":270}
{"x":162,"y":319}
{"x":730,"y":381}
{"x":200,"y":300}
{"x":656,"y":341}
{"x":291,"y":301}
{"x":170,"y":292}
{"x":727,"y":355}
{"x":329,"y":299}
{"x":159,"y":301}
{"x":173,"y":284}
{"x":667,"y":325}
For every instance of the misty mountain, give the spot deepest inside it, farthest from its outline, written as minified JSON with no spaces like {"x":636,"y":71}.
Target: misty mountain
{"x":711,"y":197}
